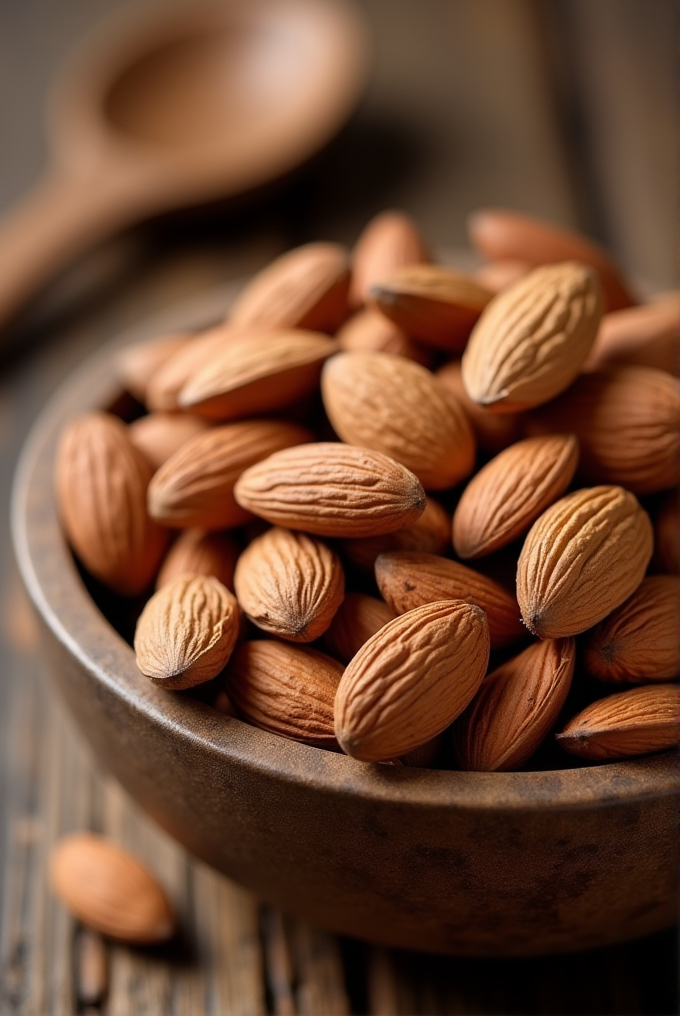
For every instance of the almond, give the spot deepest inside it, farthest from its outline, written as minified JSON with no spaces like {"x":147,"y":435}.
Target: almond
{"x":356,"y":620}
{"x":411,"y":680}
{"x":160,"y":435}
{"x":168,"y":380}
{"x":390,"y":241}
{"x":493,"y":431}
{"x":101,"y":483}
{"x":137,"y":364}
{"x":498,"y":275}
{"x":435,"y":305}
{"x":304,"y":288}
{"x":408,"y":579}
{"x":627,"y":420}
{"x":515,"y":708}
{"x":287,"y":690}
{"x":532,"y":339}
{"x":507,"y":495}
{"x":186,"y":632}
{"x":667,"y":535}
{"x":257,"y":372}
{"x":332,"y":490}
{"x":195,"y":487}
{"x":584,"y":556}
{"x":369,"y":331}
{"x":429,"y":434}
{"x":202,"y":553}
{"x":499,"y":233}
{"x":648,"y":336}
{"x":634,"y":722}
{"x":289,"y":584}
{"x":430,"y":534}
{"x":640,"y":640}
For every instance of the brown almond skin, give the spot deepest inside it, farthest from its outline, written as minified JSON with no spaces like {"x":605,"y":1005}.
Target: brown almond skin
{"x":304,"y":288}
{"x":667,"y":535}
{"x":287,"y":690}
{"x":136,"y":365}
{"x":533,"y":338}
{"x":186,"y":632}
{"x":498,"y":233}
{"x":627,"y":420}
{"x":508,"y":494}
{"x":195,"y":487}
{"x":493,"y":431}
{"x":411,"y":680}
{"x":160,"y":435}
{"x":648,"y":336}
{"x":369,"y":331}
{"x":101,"y":483}
{"x":635,"y":722}
{"x":289,"y":584}
{"x":429,"y":432}
{"x":356,"y":620}
{"x":434,"y":305}
{"x":640,"y":640}
{"x":515,"y":708}
{"x":584,"y":556}
{"x":408,"y":579}
{"x":390,"y":241}
{"x":110,"y":890}
{"x":167,"y":381}
{"x":257,"y":372}
{"x":430,"y":534}
{"x":203,"y":553}
{"x":332,"y":490}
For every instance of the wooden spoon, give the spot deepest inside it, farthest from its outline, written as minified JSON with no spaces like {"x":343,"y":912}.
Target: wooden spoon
{"x":172,"y":105}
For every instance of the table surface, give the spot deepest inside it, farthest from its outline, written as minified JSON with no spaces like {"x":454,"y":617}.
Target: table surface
{"x":564,"y":109}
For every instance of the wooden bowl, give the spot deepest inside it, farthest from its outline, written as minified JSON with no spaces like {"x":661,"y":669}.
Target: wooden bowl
{"x":468,"y":863}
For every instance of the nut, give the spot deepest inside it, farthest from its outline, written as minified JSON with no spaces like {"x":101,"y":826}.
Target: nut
{"x":160,"y":435}
{"x":202,"y":553}
{"x":390,"y":241}
{"x":635,"y":722}
{"x":356,"y":620}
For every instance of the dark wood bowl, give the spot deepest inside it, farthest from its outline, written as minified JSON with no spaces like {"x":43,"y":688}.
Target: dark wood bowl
{"x":468,"y":863}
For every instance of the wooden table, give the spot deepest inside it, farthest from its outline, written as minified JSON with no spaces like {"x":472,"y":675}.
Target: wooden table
{"x":564,"y":109}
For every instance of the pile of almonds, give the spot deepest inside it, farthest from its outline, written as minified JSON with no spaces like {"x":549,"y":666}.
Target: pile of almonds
{"x":278,"y":492}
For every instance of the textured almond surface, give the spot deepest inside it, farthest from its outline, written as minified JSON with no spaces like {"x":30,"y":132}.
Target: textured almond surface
{"x":648,"y":336}
{"x":494,"y":431}
{"x":640,"y":640}
{"x":257,"y":372}
{"x":634,"y":722}
{"x":532,"y":339}
{"x":304,"y":288}
{"x":583,"y":557}
{"x":397,"y":407}
{"x":203,"y":553}
{"x":436,"y":305}
{"x":195,"y":487}
{"x":369,"y":331}
{"x":187,"y":631}
{"x":430,"y":534}
{"x":168,"y":380}
{"x":411,"y":680}
{"x":111,"y":891}
{"x":515,"y":708}
{"x":137,"y":364}
{"x":101,"y":483}
{"x":627,"y":420}
{"x":160,"y":435}
{"x":332,"y":490}
{"x":390,"y":241}
{"x":356,"y":620}
{"x":287,"y":690}
{"x":290,"y":584}
{"x":408,"y":579}
{"x":507,"y":495}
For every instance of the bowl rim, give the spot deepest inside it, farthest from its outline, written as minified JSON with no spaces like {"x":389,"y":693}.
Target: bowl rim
{"x":59,"y":595}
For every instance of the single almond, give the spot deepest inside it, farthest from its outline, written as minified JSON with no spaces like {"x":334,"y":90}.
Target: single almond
{"x":648,"y":336}
{"x":202,"y":553}
{"x":508,"y":494}
{"x":640,"y":640}
{"x":627,"y":420}
{"x":170,"y":377}
{"x":408,"y":579}
{"x":287,"y":690}
{"x":498,"y":234}
{"x":257,"y":372}
{"x":667,"y":535}
{"x":304,"y":288}
{"x":332,"y":490}
{"x":369,"y":331}
{"x":432,"y":304}
{"x":195,"y":487}
{"x":515,"y":708}
{"x":109,"y":890}
{"x":411,"y":679}
{"x":430,"y":534}
{"x":583,"y":556}
{"x":533,"y":338}
{"x":356,"y":620}
{"x":160,"y":435}
{"x":186,"y":632}
{"x":630,"y":723}
{"x":493,"y":431}
{"x":429,"y":432}
{"x":101,"y":483}
{"x":136,"y":365}
{"x":498,"y":275}
{"x":289,"y":584}
{"x":390,"y":241}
